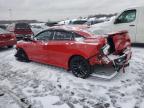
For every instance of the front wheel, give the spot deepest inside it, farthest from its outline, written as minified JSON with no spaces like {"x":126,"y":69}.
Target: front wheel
{"x":80,"y":67}
{"x":21,"y":56}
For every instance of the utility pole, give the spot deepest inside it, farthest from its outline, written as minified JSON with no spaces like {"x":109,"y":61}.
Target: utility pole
{"x":10,"y":14}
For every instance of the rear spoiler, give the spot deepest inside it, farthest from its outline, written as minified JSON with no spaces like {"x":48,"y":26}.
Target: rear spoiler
{"x":118,"y":33}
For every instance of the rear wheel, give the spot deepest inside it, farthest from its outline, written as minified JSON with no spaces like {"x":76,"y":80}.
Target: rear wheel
{"x":80,"y":67}
{"x":22,"y":56}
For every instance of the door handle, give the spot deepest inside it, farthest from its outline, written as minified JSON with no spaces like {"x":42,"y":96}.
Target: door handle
{"x":132,"y":25}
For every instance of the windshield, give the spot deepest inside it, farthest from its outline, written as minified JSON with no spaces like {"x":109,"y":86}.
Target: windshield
{"x":22,"y":26}
{"x":2,"y":31}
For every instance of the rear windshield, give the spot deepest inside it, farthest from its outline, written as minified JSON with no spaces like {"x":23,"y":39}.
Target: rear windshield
{"x":22,"y":26}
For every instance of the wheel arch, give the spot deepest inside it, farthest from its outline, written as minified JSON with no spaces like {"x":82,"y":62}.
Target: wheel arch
{"x":20,"y":48}
{"x":71,"y":57}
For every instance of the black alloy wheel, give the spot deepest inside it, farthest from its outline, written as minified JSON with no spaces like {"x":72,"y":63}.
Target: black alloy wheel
{"x":80,"y":67}
{"x":21,"y":56}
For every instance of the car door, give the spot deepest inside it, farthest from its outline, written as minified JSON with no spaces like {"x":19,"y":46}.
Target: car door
{"x":38,"y":49}
{"x":60,"y":47}
{"x":127,"y":21}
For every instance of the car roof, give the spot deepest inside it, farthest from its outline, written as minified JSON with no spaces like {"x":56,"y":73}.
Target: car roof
{"x":81,"y":30}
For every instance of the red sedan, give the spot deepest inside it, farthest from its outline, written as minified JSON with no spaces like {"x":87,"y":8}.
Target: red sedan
{"x":7,"y":39}
{"x":76,"y":49}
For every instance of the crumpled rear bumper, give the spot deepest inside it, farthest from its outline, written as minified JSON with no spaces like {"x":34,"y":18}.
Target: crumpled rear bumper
{"x":120,"y":62}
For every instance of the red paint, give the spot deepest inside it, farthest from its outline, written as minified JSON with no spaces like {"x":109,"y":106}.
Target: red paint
{"x":59,"y":53}
{"x":121,"y":41}
{"x":7,"y":39}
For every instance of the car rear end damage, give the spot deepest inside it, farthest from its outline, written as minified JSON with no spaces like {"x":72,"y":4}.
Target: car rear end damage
{"x":116,"y":52}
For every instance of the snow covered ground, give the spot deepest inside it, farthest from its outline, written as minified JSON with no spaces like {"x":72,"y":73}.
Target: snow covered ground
{"x":35,"y":85}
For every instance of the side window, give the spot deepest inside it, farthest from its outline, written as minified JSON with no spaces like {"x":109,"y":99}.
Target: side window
{"x":44,"y":36}
{"x":78,"y":38}
{"x":62,"y":35}
{"x":126,"y":17}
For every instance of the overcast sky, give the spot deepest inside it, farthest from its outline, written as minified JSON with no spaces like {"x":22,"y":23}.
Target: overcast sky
{"x":60,"y":9}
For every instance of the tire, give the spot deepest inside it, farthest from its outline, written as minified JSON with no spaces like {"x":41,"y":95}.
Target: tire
{"x":10,"y":46}
{"x":22,"y":56}
{"x":80,"y":67}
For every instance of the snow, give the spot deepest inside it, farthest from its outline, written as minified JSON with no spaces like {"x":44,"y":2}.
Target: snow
{"x":45,"y":86}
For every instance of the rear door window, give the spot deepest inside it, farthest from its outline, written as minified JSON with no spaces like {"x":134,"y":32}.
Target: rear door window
{"x":63,"y":35}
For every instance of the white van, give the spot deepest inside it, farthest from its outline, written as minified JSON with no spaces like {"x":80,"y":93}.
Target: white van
{"x":131,"y":19}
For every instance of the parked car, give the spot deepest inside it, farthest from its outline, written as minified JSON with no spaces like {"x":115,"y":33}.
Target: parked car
{"x":129,"y":19}
{"x":76,"y":49}
{"x":78,"y":22}
{"x":21,"y":30}
{"x":51,"y":24}
{"x":7,"y":39}
{"x":73,"y":22}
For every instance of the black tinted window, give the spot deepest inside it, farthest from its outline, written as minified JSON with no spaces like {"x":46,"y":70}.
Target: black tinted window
{"x":79,"y":22}
{"x":45,"y":36}
{"x":22,"y":26}
{"x":127,"y":16}
{"x":62,"y":35}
